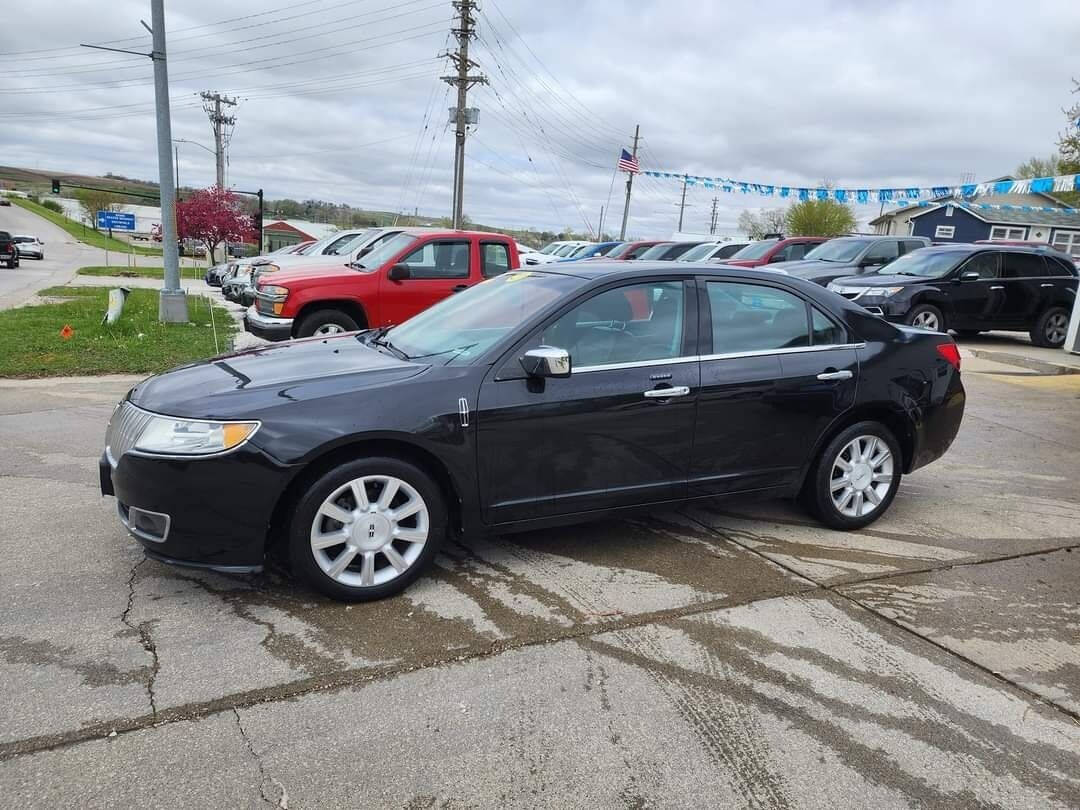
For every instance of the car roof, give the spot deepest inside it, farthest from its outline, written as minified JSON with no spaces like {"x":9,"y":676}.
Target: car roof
{"x":971,"y":247}
{"x":614,"y":268}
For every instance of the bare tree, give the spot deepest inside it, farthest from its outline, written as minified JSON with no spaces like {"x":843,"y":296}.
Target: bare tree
{"x":765,"y":221}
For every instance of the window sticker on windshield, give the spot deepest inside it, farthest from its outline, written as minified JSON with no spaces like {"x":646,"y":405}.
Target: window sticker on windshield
{"x":515,"y":276}
{"x":755,"y":301}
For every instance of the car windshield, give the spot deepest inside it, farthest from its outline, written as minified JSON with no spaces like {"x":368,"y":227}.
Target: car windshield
{"x":925,"y":263}
{"x":655,"y":251}
{"x":380,"y":255}
{"x":621,"y":250}
{"x":567,"y":250}
{"x":837,"y":250}
{"x":756,"y":250}
{"x":698,"y":253}
{"x":460,"y":328}
{"x":551,"y":247}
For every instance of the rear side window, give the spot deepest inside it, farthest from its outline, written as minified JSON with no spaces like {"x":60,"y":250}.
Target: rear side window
{"x":1024,"y":265}
{"x":439,"y":260}
{"x":912,"y":244}
{"x":494,"y":259}
{"x":797,"y":250}
{"x":1056,"y":267}
{"x":751,"y":318}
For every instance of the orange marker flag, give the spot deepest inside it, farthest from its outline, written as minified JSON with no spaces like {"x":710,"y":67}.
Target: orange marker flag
{"x":67,"y":332}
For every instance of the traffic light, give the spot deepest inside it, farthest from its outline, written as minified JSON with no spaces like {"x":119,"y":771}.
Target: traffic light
{"x":55,"y":185}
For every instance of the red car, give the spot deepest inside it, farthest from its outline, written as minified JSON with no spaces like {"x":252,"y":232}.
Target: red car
{"x":627,"y":251}
{"x":401,"y":277}
{"x":770,"y":251}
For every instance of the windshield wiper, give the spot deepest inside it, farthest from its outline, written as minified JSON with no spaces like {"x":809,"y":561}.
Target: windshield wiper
{"x":458,"y":350}
{"x":378,"y":339}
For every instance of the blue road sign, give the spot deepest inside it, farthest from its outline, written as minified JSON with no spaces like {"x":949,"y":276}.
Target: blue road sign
{"x":116,"y":220}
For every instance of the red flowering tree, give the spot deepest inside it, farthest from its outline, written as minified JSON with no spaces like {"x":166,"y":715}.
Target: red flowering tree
{"x":213,"y":215}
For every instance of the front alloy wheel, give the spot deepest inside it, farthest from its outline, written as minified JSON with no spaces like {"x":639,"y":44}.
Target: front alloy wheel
{"x":367,"y":528}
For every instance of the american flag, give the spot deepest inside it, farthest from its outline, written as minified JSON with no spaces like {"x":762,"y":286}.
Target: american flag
{"x":628,"y":163}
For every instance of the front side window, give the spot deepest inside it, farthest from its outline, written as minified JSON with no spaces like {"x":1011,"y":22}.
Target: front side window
{"x":837,"y":250}
{"x":699,"y":253}
{"x":824,"y":330}
{"x":655,"y":252}
{"x":439,"y":260}
{"x":882,"y":252}
{"x":987,"y":265}
{"x":637,"y":252}
{"x":631,"y":324}
{"x":1024,"y":265}
{"x":494,"y":259}
{"x":727,"y":251}
{"x":753,"y":318}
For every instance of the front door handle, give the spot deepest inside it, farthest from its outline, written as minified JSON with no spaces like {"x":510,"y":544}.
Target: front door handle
{"x":997,"y":287}
{"x":459,"y":288}
{"x":1046,"y":285}
{"x":667,"y":393}
{"x":844,"y":374}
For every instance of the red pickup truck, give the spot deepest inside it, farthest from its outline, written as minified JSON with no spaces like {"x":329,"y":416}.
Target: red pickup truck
{"x":401,"y":277}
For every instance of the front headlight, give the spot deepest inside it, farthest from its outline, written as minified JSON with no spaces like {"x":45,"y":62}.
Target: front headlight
{"x":273,"y":291}
{"x":168,"y":435}
{"x":884,"y":292}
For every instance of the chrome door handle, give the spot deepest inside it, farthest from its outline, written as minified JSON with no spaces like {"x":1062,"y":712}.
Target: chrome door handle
{"x":835,"y":375}
{"x":667,"y":393}
{"x":996,"y":287}
{"x":1046,"y":285}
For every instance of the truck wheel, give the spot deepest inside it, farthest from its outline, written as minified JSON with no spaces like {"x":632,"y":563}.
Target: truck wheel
{"x":326,"y":322}
{"x":927,"y":317}
{"x":1051,"y":328}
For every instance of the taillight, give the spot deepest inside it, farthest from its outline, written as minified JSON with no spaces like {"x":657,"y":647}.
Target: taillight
{"x":951,"y":352}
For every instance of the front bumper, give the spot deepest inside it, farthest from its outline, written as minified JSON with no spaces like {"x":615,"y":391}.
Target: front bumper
{"x":211,"y":512}
{"x":267,"y":326}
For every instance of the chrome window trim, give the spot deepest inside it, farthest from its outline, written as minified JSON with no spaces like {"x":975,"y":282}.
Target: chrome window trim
{"x":727,"y":356}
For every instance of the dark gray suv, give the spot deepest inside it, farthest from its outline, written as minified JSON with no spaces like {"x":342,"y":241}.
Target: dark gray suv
{"x":850,"y":256}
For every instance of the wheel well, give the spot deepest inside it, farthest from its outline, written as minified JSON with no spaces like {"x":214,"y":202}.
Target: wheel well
{"x":336,"y":456}
{"x":350,"y":308}
{"x":897,"y":423}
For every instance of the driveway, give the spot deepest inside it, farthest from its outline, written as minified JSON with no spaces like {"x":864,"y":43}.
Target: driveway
{"x":63,"y":256}
{"x":724,"y":654}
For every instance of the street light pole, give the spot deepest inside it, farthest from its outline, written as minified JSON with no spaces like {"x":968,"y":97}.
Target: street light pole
{"x":172,"y":302}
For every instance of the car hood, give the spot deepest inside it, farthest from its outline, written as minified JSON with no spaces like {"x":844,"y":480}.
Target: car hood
{"x":879,"y":280}
{"x":240,"y":385}
{"x":331,"y":272}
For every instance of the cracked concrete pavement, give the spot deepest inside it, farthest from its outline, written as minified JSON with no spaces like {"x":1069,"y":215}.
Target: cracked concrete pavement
{"x":730,"y":653}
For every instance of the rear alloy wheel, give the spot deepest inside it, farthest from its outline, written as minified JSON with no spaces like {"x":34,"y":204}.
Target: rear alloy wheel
{"x":927,"y":317}
{"x":856,"y":477}
{"x":1051,"y":328}
{"x":326,"y":322}
{"x":367,"y":529}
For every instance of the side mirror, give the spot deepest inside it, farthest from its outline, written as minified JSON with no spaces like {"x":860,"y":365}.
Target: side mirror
{"x":969,"y":275}
{"x":777,"y":257}
{"x":399,"y":272}
{"x":547,"y":361}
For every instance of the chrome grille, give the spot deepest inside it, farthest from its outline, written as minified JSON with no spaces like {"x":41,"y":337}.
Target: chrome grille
{"x":125,"y":427}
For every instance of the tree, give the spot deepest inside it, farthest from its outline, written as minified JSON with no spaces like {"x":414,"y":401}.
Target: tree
{"x":92,"y":201}
{"x":213,"y":215}
{"x":767,"y":220}
{"x":1039,"y":167}
{"x":819,"y":218}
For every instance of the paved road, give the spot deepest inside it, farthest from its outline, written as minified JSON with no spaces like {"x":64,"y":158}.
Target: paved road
{"x":721,"y":655}
{"x":63,"y":256}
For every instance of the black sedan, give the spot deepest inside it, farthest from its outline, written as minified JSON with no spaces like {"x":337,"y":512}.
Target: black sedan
{"x":973,"y":288}
{"x":534,"y":399}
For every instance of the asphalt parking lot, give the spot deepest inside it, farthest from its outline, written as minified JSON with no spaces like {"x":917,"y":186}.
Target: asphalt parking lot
{"x":726,"y":654}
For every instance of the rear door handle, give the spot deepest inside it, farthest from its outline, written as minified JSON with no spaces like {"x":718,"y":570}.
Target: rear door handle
{"x":844,"y":374}
{"x":996,"y":287}
{"x":1046,"y":285}
{"x":667,"y":393}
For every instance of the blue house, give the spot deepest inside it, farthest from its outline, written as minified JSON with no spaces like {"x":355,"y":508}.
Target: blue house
{"x":955,"y":223}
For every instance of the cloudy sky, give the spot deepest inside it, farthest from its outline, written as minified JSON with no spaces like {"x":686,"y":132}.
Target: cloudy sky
{"x":342,"y":101}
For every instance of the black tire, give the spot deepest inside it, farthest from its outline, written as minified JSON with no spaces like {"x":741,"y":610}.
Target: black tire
{"x":302,"y":556}
{"x":1048,"y":331}
{"x":926,"y":310}
{"x":817,"y":492}
{"x":321,"y":318}
{"x":967,"y":333}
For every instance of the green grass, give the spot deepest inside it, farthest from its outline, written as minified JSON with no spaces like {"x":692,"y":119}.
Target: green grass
{"x":82,"y":232}
{"x":31,"y":344}
{"x":119,"y":271}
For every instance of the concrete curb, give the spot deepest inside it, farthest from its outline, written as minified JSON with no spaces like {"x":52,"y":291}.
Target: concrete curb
{"x":1041,"y":366}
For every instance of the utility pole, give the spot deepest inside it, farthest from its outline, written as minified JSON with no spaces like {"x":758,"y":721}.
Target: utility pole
{"x":629,"y":185}
{"x":713,"y":216}
{"x":600,"y":227}
{"x":682,"y":204}
{"x":212,"y":104}
{"x":172,"y":303}
{"x":461,"y":115}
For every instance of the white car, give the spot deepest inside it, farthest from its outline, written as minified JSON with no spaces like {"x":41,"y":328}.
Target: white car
{"x":713,"y":251}
{"x":29,"y":246}
{"x":553,"y":251}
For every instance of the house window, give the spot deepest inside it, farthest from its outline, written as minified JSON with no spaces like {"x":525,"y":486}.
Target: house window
{"x":1000,"y":233}
{"x":948,"y":210}
{"x":1068,"y":242}
{"x":944,"y":231}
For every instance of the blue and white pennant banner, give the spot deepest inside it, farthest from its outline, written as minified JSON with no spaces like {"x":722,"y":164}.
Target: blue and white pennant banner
{"x":975,"y":206}
{"x":866,"y":196}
